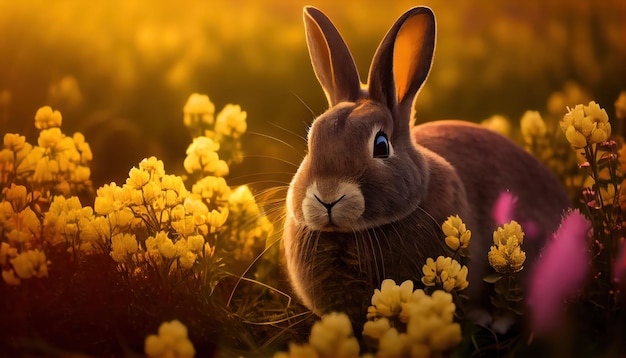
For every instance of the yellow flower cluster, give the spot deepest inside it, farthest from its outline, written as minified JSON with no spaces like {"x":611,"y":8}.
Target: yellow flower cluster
{"x":445,"y":273}
{"x":506,"y":255}
{"x":253,"y":227}
{"x":176,"y":220}
{"x":20,"y":256}
{"x":457,"y":235}
{"x":57,"y":165}
{"x":214,"y":137}
{"x":586,"y":125}
{"x":332,"y":336}
{"x":429,"y":321}
{"x":47,"y":118}
{"x":198,"y":111}
{"x":24,"y":265}
{"x":532,"y":127}
{"x":387,"y":302}
{"x":153,"y":219}
{"x":68,"y":222}
{"x":202,"y":157}
{"x":170,"y":342}
{"x":231,"y":122}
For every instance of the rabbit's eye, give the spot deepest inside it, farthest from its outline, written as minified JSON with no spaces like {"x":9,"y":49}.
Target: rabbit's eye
{"x":381,"y":145}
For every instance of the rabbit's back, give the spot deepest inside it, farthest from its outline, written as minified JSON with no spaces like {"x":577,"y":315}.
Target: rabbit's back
{"x":489,"y":164}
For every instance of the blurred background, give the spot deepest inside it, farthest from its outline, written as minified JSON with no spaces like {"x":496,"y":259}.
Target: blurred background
{"x":120,"y":71}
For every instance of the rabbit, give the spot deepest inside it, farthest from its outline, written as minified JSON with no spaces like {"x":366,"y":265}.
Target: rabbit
{"x":368,"y":200}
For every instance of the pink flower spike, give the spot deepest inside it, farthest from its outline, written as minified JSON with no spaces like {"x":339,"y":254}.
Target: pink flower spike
{"x":504,"y":207}
{"x":559,"y":273}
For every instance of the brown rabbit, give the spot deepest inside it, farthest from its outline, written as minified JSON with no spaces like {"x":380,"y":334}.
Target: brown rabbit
{"x":368,"y":199}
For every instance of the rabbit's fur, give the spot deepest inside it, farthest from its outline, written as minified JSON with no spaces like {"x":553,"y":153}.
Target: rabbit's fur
{"x":354,"y":219}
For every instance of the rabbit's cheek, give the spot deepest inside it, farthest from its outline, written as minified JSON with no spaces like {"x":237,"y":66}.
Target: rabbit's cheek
{"x":333,"y":207}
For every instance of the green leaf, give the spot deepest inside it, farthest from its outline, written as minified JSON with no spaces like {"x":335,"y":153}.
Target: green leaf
{"x":492,"y":278}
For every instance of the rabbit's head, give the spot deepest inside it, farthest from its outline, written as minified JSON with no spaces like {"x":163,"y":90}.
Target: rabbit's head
{"x":362,"y":170}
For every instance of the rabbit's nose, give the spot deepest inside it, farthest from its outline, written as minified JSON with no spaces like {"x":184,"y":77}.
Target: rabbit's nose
{"x":328,"y":206}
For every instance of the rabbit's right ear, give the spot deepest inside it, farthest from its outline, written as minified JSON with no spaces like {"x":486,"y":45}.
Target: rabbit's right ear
{"x":403,"y":59}
{"x":332,"y":62}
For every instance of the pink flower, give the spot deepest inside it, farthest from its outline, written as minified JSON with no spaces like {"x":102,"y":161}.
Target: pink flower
{"x":504,"y":207}
{"x":504,"y":211}
{"x":560,"y":272}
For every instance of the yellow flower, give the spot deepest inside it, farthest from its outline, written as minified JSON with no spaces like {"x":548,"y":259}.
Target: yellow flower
{"x":31,"y":263}
{"x":151,"y":194}
{"x":187,"y":260}
{"x":14,"y":142}
{"x":174,"y":183}
{"x":47,"y":118}
{"x":195,"y":242}
{"x":10,"y":278}
{"x":377,"y":328}
{"x":80,"y":174}
{"x":31,"y":159}
{"x":184,"y":226}
{"x":217,"y":218}
{"x":242,"y":201}
{"x":68,"y":222}
{"x":194,"y":207}
{"x":430,"y":327}
{"x":431,"y":323}
{"x":445,"y":273}
{"x":122,"y":246}
{"x":111,"y":197}
{"x":50,"y":138}
{"x":46,"y":170}
{"x":457,"y":235}
{"x":387,"y":302}
{"x":137,"y":178}
{"x":333,"y":337}
{"x":395,"y":344}
{"x":298,"y":351}
{"x":214,"y":191}
{"x":586,"y":125}
{"x":153,"y":166}
{"x":22,"y":226}
{"x":506,"y":255}
{"x":498,"y":123}
{"x":576,"y":139}
{"x":6,"y":252}
{"x":532,"y":126}
{"x":231,"y":121}
{"x":162,"y":243}
{"x":16,"y":195}
{"x":83,"y":148}
{"x":171,"y":341}
{"x":198,"y":110}
{"x":202,"y":156}
{"x":507,"y":231}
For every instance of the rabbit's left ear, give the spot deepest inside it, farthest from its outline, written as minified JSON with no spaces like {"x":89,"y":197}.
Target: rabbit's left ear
{"x":403,"y":59}
{"x":331,"y":58}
